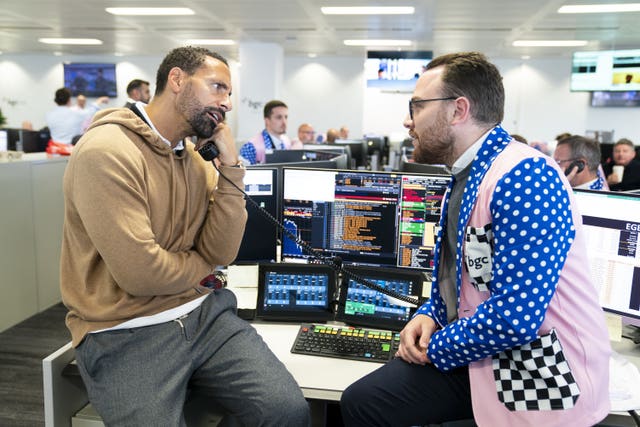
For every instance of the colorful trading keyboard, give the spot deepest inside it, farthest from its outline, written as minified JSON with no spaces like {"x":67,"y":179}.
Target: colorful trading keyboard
{"x":346,"y":342}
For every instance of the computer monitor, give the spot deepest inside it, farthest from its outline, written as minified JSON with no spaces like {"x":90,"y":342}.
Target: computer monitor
{"x":296,"y":292}
{"x":376,"y":151}
{"x":606,"y":152}
{"x":360,"y":305}
{"x":26,"y":140}
{"x":612,"y":226}
{"x":4,"y":140}
{"x":410,"y":166}
{"x":364,"y":217}
{"x":375,"y":144}
{"x":317,"y":164}
{"x":332,"y":148}
{"x":32,"y":141}
{"x":260,"y":240}
{"x":357,"y":150}
{"x":13,"y":136}
{"x":341,"y":161}
{"x":288,"y":156}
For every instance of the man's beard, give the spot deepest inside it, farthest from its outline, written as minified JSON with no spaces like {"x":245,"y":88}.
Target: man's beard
{"x":201,"y":122}
{"x":434,"y":145}
{"x":198,"y":116}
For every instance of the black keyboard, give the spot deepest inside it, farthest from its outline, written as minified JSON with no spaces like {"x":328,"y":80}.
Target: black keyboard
{"x":346,"y":342}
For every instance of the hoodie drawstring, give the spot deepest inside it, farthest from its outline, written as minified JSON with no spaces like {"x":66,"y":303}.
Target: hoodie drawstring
{"x":173,"y":191}
{"x":185,"y":225}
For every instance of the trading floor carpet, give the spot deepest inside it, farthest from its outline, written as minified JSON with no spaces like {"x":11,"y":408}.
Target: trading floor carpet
{"x":22,"y":348}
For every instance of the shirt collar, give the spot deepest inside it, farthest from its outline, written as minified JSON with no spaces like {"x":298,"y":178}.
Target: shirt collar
{"x":467,"y":157}
{"x":275,"y":137}
{"x":585,"y":185}
{"x":140,"y":105}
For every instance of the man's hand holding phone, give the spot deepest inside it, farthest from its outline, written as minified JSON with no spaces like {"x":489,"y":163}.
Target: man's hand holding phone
{"x":224,"y":144}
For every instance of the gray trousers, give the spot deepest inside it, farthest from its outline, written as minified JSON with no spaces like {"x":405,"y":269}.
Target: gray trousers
{"x":140,"y":376}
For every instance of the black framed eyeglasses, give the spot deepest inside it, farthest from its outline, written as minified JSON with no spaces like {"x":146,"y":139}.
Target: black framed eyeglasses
{"x":560,"y":162}
{"x":418,"y":101}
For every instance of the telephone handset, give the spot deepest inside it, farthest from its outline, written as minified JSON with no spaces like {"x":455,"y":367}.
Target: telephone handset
{"x":209,"y":152}
{"x":580,"y":164}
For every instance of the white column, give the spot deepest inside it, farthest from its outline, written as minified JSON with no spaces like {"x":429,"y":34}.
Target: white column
{"x":260,"y":80}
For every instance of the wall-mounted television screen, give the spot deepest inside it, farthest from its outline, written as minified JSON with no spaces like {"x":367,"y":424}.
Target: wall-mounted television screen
{"x":630,"y":98}
{"x":90,"y":79}
{"x":606,"y":70}
{"x":395,"y":70}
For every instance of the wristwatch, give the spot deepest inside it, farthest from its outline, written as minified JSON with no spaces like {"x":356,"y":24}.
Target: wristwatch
{"x":238,"y":164}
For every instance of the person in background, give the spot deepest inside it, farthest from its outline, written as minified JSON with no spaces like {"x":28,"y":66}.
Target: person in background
{"x":344,"y":132}
{"x":147,"y":319}
{"x":579,"y":157}
{"x":562,"y":136}
{"x":137,"y":90}
{"x":332,"y":135}
{"x":519,"y":138}
{"x":81,"y":102}
{"x":273,"y":136}
{"x":605,"y":185}
{"x":64,"y":121}
{"x":624,"y":157}
{"x":542,"y":146}
{"x":305,"y":136}
{"x":509,"y":283}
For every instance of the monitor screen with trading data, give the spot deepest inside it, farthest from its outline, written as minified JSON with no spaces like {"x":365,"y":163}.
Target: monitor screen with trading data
{"x":363,"y":217}
{"x":611,"y":223}
{"x":360,"y":305}
{"x":300,"y":292}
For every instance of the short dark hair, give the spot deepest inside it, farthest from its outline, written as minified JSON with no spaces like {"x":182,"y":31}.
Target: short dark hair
{"x":269,"y":106}
{"x":188,"y":59}
{"x":135,"y":84}
{"x":625,"y":141}
{"x":63,"y":95}
{"x":582,"y":147}
{"x":470,"y":74}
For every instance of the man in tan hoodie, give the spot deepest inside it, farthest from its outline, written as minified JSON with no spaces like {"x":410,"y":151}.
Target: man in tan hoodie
{"x":146,"y":222}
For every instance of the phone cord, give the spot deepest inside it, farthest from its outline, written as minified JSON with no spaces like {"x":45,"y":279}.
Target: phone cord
{"x":334,"y":262}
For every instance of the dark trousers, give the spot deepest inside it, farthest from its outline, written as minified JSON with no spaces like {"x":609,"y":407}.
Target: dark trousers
{"x":139,"y":377}
{"x":403,"y":394}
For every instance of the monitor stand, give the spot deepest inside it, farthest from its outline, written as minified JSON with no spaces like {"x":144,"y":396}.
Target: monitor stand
{"x":632,"y":332}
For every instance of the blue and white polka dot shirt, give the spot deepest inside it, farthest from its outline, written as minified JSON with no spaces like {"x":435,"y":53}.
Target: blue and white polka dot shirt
{"x":532,"y":231}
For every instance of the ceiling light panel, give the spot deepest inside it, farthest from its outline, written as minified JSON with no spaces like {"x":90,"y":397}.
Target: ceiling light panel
{"x":600,"y":8}
{"x":150,"y":11}
{"x":549,"y":43}
{"x":379,"y":10}
{"x":211,"y":42}
{"x":398,"y":43}
{"x":46,"y":40}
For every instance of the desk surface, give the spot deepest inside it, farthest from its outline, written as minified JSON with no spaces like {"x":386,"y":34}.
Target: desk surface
{"x":319,"y":377}
{"x":326,"y":377}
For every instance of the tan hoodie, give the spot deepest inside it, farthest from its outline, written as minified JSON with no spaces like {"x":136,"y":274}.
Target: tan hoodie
{"x":142,"y":225}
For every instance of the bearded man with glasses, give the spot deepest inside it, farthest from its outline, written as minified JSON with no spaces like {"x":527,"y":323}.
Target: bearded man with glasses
{"x":513,"y":333}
